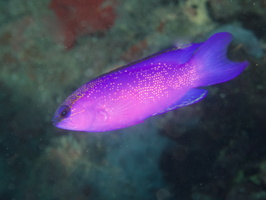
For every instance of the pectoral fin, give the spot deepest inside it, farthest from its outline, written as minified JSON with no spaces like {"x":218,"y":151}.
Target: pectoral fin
{"x":192,"y":96}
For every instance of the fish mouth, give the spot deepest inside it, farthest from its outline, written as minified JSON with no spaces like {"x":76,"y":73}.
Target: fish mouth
{"x":61,"y":123}
{"x":55,"y":121}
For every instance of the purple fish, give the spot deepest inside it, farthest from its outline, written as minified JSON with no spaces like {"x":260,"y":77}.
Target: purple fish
{"x":153,"y":85}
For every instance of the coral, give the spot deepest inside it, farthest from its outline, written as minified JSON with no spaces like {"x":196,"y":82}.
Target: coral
{"x":135,"y":51}
{"x":196,"y":11}
{"x":120,"y":165}
{"x":217,"y":148}
{"x":247,"y":38}
{"x":80,"y":17}
{"x":250,"y":13}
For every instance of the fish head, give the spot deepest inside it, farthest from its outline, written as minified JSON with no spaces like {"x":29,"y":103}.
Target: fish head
{"x":74,"y":115}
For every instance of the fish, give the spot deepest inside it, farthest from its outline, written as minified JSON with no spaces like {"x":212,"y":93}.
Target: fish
{"x":157,"y":84}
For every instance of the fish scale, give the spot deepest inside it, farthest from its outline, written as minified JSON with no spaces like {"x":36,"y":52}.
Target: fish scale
{"x":153,"y":85}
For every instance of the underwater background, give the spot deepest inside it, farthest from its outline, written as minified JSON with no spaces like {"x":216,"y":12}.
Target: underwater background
{"x":211,"y":150}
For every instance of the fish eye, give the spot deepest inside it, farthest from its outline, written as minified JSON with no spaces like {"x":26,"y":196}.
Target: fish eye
{"x":64,"y":111}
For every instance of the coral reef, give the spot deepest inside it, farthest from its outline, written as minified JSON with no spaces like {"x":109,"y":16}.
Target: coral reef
{"x":99,"y":166}
{"x":250,"y":13}
{"x":80,"y":17}
{"x":212,"y":150}
{"x":244,"y":37}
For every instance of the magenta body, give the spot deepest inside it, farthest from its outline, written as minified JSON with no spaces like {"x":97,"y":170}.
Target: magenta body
{"x":156,"y":84}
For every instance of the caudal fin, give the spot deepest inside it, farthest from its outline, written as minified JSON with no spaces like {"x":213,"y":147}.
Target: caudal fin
{"x":211,"y":61}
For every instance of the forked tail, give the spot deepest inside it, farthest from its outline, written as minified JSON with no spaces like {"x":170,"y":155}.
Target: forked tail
{"x":211,"y":61}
